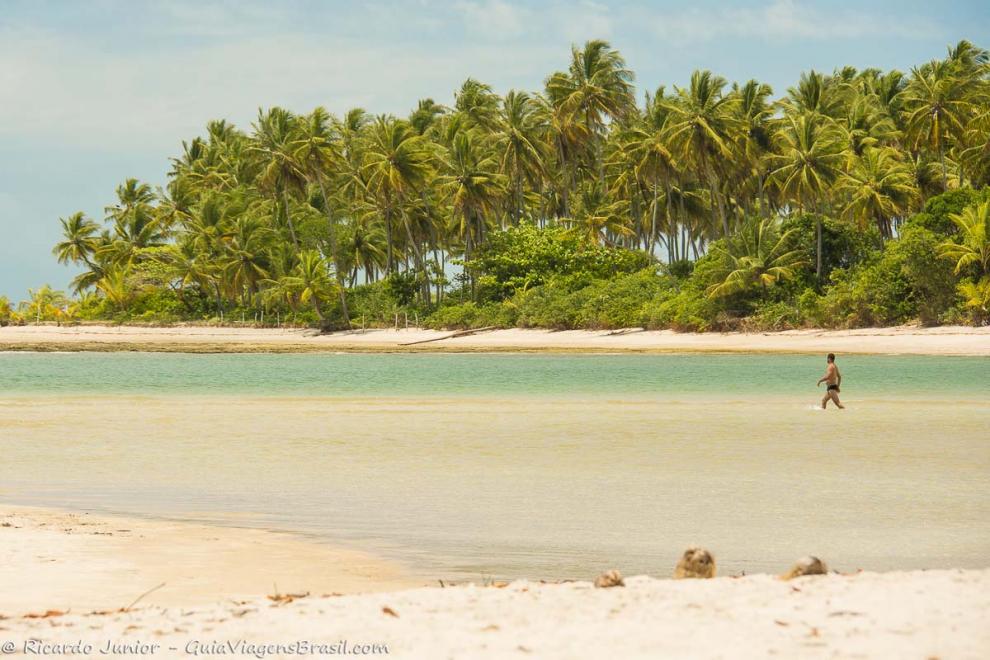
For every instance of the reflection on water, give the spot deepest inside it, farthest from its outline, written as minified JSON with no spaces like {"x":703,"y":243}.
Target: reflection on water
{"x":555,"y":484}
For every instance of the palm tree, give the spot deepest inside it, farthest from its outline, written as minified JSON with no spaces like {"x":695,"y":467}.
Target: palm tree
{"x":478,"y":105}
{"x":310,"y":282}
{"x":597,"y":218}
{"x":523,"y":152}
{"x":596,"y":87}
{"x":281,"y":174}
{"x":976,"y":298}
{"x":973,"y":246}
{"x":815,"y":92}
{"x":643,"y":159}
{"x":316,"y":149}
{"x":808,"y":158}
{"x":937,"y":104}
{"x":758,"y":256}
{"x":44,"y":303}
{"x":117,"y":286}
{"x":703,"y":128}
{"x":879,"y":186}
{"x":80,"y":234}
{"x":364,"y":249}
{"x":245,"y":262}
{"x":7,"y":313}
{"x":397,"y":164}
{"x":756,"y":138}
{"x":472,"y":185}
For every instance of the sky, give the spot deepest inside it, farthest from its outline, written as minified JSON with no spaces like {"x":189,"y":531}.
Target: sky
{"x":94,"y":92}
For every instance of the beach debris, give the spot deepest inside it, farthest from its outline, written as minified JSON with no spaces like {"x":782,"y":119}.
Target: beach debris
{"x":806,"y":566}
{"x":695,"y":563}
{"x":284,"y":599}
{"x":453,"y":335}
{"x":612,"y":578}
{"x":138,"y":599}
{"x":389,"y":611}
{"x":47,"y":615}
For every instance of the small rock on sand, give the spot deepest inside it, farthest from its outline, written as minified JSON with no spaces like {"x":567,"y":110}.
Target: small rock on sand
{"x":695,"y":563}
{"x":608,"y":579}
{"x":806,"y":566}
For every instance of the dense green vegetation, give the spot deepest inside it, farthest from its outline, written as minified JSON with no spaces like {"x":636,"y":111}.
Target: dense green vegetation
{"x":855,"y":198}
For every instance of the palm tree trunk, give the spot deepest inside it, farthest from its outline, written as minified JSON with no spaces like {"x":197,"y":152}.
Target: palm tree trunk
{"x":818,"y":256}
{"x":941,"y":158}
{"x":417,"y":257}
{"x":332,"y":233}
{"x":763,"y":200}
{"x":288,"y":218}
{"x":713,"y":188}
{"x":517,"y":211}
{"x":653,"y":220}
{"x":388,"y":243}
{"x":319,"y":312}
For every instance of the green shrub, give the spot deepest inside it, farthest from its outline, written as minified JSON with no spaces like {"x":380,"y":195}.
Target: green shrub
{"x":775,"y":316}
{"x":372,"y":304}
{"x":525,"y":256}
{"x":843,"y":245}
{"x":621,"y":302}
{"x":471,"y":315}
{"x":401,"y":287}
{"x":552,"y":305}
{"x":680,"y":269}
{"x":870,"y":294}
{"x":689,"y":310}
{"x":929,"y":277}
{"x":935,"y":217}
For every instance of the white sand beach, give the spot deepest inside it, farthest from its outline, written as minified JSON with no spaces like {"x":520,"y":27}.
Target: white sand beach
{"x":68,"y":581}
{"x":945,"y":340}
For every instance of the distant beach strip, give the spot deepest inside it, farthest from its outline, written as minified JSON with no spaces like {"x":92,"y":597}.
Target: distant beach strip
{"x":910,"y":340}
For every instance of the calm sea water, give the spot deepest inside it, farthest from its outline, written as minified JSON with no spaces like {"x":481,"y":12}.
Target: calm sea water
{"x":465,"y":466}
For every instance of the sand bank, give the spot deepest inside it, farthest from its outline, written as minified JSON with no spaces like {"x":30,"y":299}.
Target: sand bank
{"x":60,"y":560}
{"x":947,"y":340}
{"x":57,"y":561}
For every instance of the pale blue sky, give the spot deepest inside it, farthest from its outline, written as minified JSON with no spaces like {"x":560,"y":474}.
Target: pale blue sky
{"x":94,"y":92}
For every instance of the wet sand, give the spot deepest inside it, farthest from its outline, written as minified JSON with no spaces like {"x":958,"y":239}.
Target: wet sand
{"x":947,"y":340}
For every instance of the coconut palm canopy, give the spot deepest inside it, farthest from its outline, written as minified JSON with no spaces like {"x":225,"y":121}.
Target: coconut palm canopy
{"x":300,"y":211}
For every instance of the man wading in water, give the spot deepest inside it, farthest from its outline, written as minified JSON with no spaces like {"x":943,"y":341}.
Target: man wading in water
{"x":833,"y":378}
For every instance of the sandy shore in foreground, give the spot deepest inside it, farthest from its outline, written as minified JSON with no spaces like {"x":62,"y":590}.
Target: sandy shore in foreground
{"x":947,"y":340}
{"x":62,"y":560}
{"x":56,"y":566}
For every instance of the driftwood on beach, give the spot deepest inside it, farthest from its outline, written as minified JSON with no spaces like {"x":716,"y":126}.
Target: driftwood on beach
{"x":459,"y":333}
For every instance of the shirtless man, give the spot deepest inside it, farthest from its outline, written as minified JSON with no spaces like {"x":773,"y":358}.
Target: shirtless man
{"x":833,"y":379}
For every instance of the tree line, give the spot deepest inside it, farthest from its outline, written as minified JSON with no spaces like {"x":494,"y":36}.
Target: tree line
{"x":315,"y":215}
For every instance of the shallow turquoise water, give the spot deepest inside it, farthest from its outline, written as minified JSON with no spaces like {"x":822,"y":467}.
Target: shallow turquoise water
{"x":482,"y":375}
{"x":549,"y":466}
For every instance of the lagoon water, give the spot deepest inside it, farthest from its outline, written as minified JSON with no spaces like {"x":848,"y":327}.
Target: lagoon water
{"x":543,"y":466}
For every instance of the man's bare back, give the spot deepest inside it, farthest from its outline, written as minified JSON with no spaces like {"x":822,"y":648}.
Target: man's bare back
{"x":832,"y":380}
